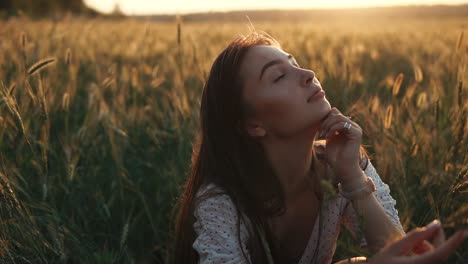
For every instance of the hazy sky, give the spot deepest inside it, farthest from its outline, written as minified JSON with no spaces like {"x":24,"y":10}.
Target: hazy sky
{"x":186,"y":6}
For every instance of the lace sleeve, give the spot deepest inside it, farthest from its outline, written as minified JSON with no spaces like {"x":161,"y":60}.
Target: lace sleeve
{"x":350,"y":219}
{"x":383,"y":196}
{"x":217,"y":233}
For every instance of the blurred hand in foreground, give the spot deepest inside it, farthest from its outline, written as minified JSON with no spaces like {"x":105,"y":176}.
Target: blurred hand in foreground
{"x":424,"y":245}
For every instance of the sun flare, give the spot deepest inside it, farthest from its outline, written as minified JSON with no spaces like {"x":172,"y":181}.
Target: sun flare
{"x":187,"y":6}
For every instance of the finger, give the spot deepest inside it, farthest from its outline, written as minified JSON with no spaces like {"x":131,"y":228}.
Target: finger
{"x":339,"y":127}
{"x":413,"y":238}
{"x":326,"y":125}
{"x":331,"y":112}
{"x":330,"y":121}
{"x":423,"y":247}
{"x":353,"y":260}
{"x":445,"y":249}
{"x":334,"y":117}
{"x":335,"y":110}
{"x":354,"y":124}
{"x":439,"y":238}
{"x":440,"y":254}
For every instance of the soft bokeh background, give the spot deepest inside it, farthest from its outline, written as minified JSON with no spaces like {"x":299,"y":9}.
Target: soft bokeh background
{"x":98,"y":113}
{"x":139,"y":7}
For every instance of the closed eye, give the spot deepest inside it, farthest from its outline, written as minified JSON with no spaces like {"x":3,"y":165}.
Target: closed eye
{"x":279,"y":77}
{"x":282,"y":75}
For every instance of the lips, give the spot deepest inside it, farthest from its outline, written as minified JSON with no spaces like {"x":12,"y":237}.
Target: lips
{"x":318,"y":93}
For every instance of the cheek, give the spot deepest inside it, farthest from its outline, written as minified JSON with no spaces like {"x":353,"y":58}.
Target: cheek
{"x":286,"y":112}
{"x":279,"y":106}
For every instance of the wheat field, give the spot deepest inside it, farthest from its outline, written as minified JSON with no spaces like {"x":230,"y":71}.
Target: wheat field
{"x":97,"y":120}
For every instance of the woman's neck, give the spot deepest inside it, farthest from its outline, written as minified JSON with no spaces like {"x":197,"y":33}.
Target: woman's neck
{"x":291,"y":159}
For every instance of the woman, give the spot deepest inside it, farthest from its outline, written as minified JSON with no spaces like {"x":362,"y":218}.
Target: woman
{"x":262,"y":188}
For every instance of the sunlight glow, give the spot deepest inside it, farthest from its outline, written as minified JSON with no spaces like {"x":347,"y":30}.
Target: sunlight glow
{"x":132,"y":7}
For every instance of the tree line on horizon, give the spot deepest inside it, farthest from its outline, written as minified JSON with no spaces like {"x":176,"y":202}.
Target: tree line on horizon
{"x":43,"y":8}
{"x":57,"y":8}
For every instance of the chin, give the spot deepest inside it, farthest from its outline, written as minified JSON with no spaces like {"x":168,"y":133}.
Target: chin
{"x":326,"y":108}
{"x":322,"y":113}
{"x":319,"y":111}
{"x":327,"y":104}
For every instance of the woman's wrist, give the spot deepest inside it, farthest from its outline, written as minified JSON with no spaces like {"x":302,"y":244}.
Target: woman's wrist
{"x":354,"y":179}
{"x":358,"y":193}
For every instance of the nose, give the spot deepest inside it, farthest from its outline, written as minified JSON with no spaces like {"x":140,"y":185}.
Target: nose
{"x":308,"y":77}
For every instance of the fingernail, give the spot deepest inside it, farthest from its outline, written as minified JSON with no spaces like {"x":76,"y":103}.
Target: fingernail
{"x":433,"y":224}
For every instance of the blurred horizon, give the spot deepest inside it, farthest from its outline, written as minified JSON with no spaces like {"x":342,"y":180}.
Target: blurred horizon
{"x":297,"y":10}
{"x":144,"y":7}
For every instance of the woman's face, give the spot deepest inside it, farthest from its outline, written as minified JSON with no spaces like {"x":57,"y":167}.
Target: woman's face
{"x":279,"y":91}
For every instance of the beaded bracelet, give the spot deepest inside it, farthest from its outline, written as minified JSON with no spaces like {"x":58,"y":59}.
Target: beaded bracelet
{"x":359,"y":193}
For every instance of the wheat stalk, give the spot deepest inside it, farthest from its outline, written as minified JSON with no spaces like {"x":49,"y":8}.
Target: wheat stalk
{"x":459,"y":41}
{"x":68,"y":56}
{"x":388,"y":117}
{"x":179,"y":29}
{"x":422,"y":101}
{"x":418,"y":74}
{"x":40,"y":65}
{"x":23,"y":40}
{"x":397,"y":84}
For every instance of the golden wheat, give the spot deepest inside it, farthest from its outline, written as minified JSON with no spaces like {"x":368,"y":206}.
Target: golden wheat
{"x":35,"y":68}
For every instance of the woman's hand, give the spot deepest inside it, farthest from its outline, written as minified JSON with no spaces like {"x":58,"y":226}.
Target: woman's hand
{"x":343,"y":142}
{"x":417,"y":242}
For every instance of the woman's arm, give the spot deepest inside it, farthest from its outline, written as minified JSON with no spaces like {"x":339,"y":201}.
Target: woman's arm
{"x":351,"y":220}
{"x":217,"y":238}
{"x":378,"y":228}
{"x":383,"y":195}
{"x":343,"y":143}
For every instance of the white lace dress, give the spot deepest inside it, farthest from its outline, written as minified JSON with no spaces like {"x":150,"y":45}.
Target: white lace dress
{"x":217,"y":233}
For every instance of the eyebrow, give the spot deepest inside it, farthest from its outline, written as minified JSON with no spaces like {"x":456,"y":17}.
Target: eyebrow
{"x":271,"y":63}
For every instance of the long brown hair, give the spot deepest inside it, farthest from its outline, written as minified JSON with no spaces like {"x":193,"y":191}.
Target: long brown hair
{"x":226,"y":156}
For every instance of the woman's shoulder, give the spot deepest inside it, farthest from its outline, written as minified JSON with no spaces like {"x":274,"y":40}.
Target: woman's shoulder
{"x":212,"y":197}
{"x":214,"y":208}
{"x":204,"y":187}
{"x":209,"y":190}
{"x":219,"y":237}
